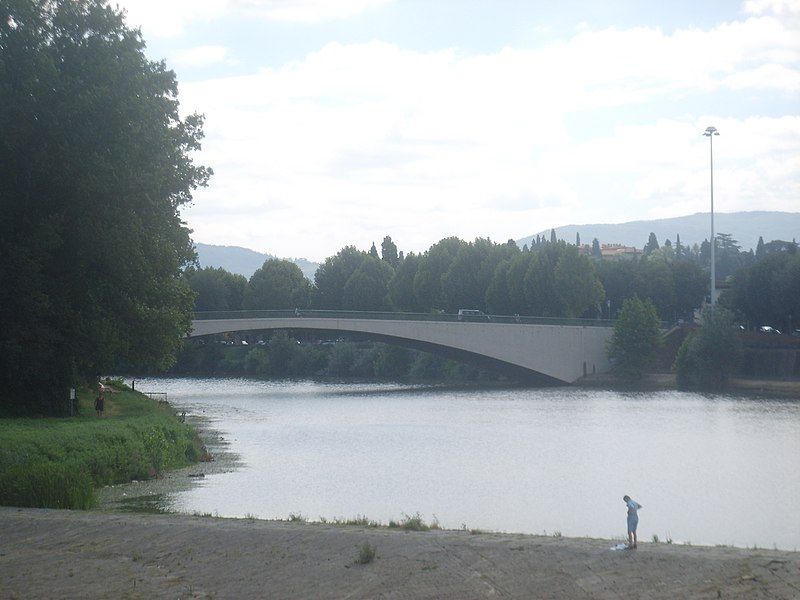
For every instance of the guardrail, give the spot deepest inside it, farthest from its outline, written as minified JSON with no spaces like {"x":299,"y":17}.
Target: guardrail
{"x":397,"y":316}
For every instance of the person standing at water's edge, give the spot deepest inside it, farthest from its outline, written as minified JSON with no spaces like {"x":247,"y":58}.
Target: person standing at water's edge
{"x":633,"y":519}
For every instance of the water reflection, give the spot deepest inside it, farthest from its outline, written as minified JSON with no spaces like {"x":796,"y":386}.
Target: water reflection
{"x":708,"y":469}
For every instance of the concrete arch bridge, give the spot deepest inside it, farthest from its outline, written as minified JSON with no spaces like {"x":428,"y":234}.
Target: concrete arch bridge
{"x":538,"y":350}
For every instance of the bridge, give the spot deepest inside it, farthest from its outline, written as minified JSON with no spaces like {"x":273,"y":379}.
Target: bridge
{"x":538,"y":350}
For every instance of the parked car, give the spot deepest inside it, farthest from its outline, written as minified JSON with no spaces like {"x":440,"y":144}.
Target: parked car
{"x":768,"y":329}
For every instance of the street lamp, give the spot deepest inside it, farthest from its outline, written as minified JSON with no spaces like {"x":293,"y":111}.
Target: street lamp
{"x":710,"y":132}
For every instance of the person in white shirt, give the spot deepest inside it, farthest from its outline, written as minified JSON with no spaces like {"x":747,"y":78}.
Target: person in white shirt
{"x":633,"y":519}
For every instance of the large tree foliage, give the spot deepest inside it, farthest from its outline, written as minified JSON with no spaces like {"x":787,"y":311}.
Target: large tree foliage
{"x":216,"y":289}
{"x":368,"y":287}
{"x":332,"y":275}
{"x":278,"y":284}
{"x":634,"y":345}
{"x":768,"y":292}
{"x":94,"y":165}
{"x":576,"y":285}
{"x":710,"y":355}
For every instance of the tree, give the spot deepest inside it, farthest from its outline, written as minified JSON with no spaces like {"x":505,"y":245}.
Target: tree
{"x":576,"y":284}
{"x":401,"y":286}
{"x":577,"y":239}
{"x":389,"y":251}
{"x":652,"y":244}
{"x":368,"y":287}
{"x":95,"y":163}
{"x":655,"y":281}
{"x":596,"y":251}
{"x":470,"y":273}
{"x":768,"y":292}
{"x":539,"y":285}
{"x":433,"y":264}
{"x":278,"y":284}
{"x":373,"y":251}
{"x":634,"y":345}
{"x":553,"y":238}
{"x":760,"y":247}
{"x":690,"y":284}
{"x":679,"y":251}
{"x":216,"y":289}
{"x":710,"y":355}
{"x":332,"y":275}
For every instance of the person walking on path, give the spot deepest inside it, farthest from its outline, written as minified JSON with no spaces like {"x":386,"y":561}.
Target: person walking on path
{"x":633,"y":519}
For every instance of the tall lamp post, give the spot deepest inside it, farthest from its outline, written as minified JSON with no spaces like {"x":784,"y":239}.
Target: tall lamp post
{"x":710,"y":132}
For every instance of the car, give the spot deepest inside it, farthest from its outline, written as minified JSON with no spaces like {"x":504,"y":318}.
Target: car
{"x":469,"y":314}
{"x":768,"y":329}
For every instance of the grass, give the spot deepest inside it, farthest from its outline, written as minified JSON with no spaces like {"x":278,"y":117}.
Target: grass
{"x":414,"y":523}
{"x":59,"y":462}
{"x":366,"y":554}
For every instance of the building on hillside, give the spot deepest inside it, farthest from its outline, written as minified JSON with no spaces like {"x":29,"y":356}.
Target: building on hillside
{"x":619,"y":252}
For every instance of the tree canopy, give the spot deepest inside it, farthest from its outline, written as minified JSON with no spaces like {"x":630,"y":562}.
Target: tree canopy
{"x":95,"y":162}
{"x":636,"y":338}
{"x":278,"y":284}
{"x":710,"y":355}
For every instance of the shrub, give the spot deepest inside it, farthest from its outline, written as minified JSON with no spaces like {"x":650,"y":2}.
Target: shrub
{"x":710,"y":355}
{"x":636,"y":339}
{"x":366,"y":554}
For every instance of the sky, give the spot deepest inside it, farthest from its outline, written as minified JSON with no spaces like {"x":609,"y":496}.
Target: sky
{"x":338,"y":122}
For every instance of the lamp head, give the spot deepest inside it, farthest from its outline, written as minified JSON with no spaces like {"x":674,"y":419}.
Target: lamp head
{"x":711,"y":131}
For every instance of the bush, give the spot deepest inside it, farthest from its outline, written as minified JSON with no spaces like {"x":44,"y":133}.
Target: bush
{"x":366,"y":554}
{"x":710,"y":355}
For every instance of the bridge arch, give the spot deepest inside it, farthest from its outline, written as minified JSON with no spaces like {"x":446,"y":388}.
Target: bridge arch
{"x":543,"y":352}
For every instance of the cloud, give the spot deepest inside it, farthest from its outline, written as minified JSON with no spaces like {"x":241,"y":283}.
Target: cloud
{"x":166,"y":19}
{"x":310,"y":11}
{"x":362,"y":140}
{"x":202,"y":56}
{"x":159,"y":18}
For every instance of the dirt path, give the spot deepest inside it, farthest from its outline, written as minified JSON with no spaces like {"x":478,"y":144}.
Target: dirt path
{"x":65,"y":554}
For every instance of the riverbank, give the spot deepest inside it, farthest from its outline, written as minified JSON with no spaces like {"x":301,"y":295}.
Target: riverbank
{"x":60,"y":462}
{"x":48,"y":553}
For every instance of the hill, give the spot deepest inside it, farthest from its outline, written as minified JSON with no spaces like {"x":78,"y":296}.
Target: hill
{"x":244,"y":261}
{"x":693,"y":229}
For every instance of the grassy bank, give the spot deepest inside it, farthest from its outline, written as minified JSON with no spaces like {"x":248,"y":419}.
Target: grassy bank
{"x":59,"y":462}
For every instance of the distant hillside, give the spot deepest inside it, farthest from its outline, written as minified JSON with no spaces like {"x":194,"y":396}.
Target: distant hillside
{"x":243,"y":260}
{"x":743,"y":226}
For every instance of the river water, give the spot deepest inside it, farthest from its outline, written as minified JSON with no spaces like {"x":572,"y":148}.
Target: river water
{"x":707,"y":469}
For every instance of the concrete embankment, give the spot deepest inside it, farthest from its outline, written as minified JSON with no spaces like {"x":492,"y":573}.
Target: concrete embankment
{"x":66,"y":554}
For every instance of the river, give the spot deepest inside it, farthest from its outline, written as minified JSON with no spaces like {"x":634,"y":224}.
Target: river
{"x":707,"y":469}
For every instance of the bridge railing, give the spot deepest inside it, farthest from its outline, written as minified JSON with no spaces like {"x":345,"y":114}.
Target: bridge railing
{"x":396,"y":316}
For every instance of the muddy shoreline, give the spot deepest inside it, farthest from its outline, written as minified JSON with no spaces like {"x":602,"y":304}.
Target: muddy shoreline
{"x":71,"y":554}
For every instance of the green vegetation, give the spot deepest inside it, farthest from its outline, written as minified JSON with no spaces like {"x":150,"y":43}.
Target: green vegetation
{"x":57,"y":463}
{"x":414,"y":522}
{"x":710,"y":355}
{"x":636,"y":339}
{"x":366,"y":554}
{"x":96,"y":162}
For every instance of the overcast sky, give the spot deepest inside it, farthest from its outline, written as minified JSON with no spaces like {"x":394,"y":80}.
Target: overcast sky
{"x":335,"y":122}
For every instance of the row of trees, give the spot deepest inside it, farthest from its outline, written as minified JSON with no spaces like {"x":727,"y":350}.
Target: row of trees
{"x":553,"y":279}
